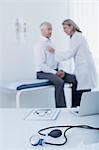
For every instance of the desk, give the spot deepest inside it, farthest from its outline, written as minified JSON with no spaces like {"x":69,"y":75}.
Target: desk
{"x":15,"y":131}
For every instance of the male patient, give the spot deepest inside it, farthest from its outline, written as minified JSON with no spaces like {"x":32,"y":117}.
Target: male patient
{"x":46,"y":65}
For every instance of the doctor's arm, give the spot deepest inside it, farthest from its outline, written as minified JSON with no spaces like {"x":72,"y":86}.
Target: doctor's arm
{"x":71,"y":52}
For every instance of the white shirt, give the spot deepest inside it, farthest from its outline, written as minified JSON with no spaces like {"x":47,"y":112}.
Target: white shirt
{"x":44,"y":60}
{"x":85,"y":70}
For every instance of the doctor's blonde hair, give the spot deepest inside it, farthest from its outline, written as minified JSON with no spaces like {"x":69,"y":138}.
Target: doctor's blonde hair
{"x":70,"y":22}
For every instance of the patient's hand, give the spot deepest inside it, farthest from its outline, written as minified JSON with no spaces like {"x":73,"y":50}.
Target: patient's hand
{"x":60,"y":73}
{"x":51,"y":49}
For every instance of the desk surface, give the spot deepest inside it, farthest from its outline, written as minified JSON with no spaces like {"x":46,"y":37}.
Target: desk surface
{"x":15,"y":131}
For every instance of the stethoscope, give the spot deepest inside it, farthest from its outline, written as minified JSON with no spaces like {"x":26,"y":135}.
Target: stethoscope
{"x":35,"y":140}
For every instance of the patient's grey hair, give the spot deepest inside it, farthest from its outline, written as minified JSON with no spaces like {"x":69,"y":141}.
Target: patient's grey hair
{"x":70,"y":22}
{"x":45,"y":24}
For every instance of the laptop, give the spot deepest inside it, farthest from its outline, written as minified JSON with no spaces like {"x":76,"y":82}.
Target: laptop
{"x":89,"y":104}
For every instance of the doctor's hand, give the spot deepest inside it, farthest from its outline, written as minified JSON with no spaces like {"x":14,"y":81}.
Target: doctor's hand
{"x":51,"y":49}
{"x":60,"y":73}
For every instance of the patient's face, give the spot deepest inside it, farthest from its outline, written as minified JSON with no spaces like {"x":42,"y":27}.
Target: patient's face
{"x":68,"y":29}
{"x":47,"y":31}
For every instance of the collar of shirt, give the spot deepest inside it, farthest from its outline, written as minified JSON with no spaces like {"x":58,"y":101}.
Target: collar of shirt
{"x":44,"y":39}
{"x":76,"y":34}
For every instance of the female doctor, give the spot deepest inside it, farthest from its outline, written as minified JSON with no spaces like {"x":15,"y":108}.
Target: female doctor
{"x":84,"y":77}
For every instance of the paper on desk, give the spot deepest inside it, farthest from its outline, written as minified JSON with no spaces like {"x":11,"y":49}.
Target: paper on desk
{"x":43,"y":114}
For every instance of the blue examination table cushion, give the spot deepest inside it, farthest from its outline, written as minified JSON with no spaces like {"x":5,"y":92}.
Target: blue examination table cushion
{"x":25,"y":84}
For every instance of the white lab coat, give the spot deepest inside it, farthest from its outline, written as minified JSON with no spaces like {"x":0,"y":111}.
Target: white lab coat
{"x":85,"y":70}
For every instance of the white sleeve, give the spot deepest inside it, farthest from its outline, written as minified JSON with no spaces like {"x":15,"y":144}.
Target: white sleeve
{"x":71,"y":52}
{"x":40,"y":59}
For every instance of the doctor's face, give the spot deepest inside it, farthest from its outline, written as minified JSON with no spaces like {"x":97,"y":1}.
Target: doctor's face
{"x":47,"y":31}
{"x":68,"y":29}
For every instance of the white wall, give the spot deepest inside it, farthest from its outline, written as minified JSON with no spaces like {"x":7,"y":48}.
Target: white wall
{"x":85,"y":14}
{"x":16,"y":53}
{"x":16,"y":50}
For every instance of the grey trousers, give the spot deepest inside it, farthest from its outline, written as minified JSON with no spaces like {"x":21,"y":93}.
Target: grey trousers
{"x":59,"y":87}
{"x":76,"y":94}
